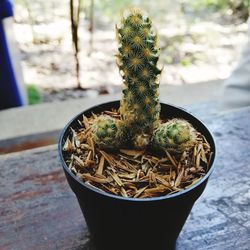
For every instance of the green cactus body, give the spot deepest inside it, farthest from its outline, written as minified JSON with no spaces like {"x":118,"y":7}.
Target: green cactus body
{"x":140,"y":107}
{"x":137,"y":62}
{"x":105,"y":131}
{"x":175,"y":135}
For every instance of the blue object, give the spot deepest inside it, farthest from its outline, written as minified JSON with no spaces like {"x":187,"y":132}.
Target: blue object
{"x":10,"y":92}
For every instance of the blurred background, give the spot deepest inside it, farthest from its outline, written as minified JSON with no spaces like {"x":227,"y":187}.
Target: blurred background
{"x":201,"y":40}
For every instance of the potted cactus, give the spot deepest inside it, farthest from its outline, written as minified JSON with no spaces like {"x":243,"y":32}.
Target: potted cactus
{"x":136,"y":166}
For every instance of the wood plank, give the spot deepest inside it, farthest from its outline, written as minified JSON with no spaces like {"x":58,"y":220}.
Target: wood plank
{"x":37,"y":208}
{"x":39,"y":211}
{"x":220,"y":219}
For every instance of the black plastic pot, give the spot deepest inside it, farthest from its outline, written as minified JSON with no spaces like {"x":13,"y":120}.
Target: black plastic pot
{"x":118,"y":223}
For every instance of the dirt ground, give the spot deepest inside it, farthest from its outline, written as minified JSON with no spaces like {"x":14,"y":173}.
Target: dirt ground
{"x":194,"y":49}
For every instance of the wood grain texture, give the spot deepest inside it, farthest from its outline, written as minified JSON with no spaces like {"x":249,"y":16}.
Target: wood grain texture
{"x":39,"y":211}
{"x":37,"y":208}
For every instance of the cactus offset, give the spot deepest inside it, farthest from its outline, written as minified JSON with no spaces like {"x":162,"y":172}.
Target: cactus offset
{"x":137,"y":62}
{"x":176,"y":135}
{"x":105,"y":131}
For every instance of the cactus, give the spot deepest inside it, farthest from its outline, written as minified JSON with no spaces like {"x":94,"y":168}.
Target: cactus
{"x":105,"y":131}
{"x":176,"y":135}
{"x":137,"y":62}
{"x":139,"y":125}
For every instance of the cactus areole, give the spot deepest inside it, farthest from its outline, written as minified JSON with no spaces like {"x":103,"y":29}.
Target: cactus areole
{"x":131,"y":151}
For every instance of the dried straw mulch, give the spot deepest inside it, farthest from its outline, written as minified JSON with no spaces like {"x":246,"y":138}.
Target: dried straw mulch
{"x":134,"y":173}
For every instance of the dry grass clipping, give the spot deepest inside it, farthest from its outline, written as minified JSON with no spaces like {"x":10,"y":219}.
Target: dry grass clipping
{"x":134,"y":173}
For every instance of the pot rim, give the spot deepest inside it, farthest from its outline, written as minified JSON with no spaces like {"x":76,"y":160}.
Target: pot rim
{"x":103,"y":193}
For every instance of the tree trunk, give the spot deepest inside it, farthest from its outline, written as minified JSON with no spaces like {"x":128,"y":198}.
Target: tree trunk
{"x":75,"y":6}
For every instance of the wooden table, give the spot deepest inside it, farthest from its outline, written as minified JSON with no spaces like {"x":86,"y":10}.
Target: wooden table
{"x":39,"y":211}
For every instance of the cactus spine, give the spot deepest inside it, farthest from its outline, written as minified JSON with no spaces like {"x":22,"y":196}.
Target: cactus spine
{"x":137,"y":62}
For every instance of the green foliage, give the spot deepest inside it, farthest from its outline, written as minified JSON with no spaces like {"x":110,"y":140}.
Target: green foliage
{"x":239,"y":8}
{"x":185,"y":61}
{"x":105,"y":131}
{"x":175,"y":135}
{"x":34,"y":95}
{"x":111,"y":7}
{"x":218,"y":4}
{"x":137,"y":61}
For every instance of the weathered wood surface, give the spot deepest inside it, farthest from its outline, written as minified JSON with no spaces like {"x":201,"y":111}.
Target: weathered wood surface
{"x":39,"y":211}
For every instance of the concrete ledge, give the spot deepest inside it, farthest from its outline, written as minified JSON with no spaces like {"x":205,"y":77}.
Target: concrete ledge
{"x":31,"y":126}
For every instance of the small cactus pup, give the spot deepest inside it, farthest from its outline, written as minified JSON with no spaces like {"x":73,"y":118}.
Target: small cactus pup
{"x":105,"y":131}
{"x":175,"y":135}
{"x":137,"y":61}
